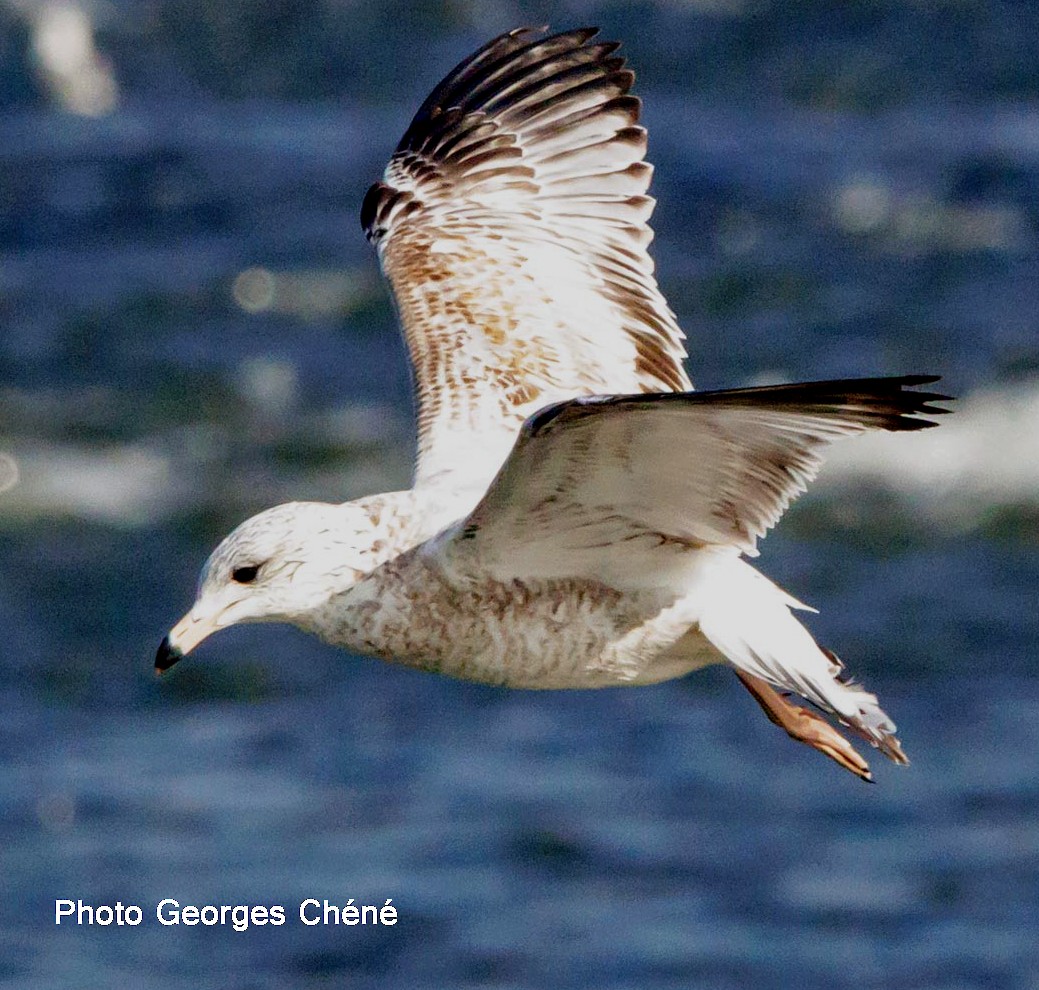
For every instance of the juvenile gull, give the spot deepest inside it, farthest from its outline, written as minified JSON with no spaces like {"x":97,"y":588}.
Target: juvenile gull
{"x":579,"y":516}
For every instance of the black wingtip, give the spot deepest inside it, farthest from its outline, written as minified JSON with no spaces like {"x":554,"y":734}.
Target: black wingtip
{"x":919,"y":379}
{"x":921,"y":402}
{"x":914,"y":381}
{"x":892,"y":403}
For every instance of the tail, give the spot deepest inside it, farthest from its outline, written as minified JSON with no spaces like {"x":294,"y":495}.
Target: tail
{"x":749,"y":621}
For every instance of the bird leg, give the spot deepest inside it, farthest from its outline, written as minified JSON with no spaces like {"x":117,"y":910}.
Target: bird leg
{"x":805,"y":726}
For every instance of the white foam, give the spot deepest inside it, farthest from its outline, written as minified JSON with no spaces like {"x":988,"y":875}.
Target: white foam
{"x":128,"y":485}
{"x":8,"y":472}
{"x":986,"y":453}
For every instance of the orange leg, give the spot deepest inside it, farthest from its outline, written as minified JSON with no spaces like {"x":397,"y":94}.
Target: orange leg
{"x":805,"y":726}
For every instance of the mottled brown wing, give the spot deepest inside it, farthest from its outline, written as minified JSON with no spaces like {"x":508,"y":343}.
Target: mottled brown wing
{"x":512,"y":225}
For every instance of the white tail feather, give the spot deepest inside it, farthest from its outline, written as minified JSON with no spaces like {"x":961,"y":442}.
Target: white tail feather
{"x":747,"y":618}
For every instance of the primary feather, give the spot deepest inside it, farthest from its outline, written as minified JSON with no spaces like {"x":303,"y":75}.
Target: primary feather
{"x":512,"y":224}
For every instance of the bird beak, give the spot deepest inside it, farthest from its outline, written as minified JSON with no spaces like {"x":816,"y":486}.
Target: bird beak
{"x":183,"y":638}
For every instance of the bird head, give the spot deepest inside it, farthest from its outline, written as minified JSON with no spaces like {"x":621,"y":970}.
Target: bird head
{"x":279,"y":566}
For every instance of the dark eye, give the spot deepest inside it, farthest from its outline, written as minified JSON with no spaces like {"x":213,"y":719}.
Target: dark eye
{"x":245,"y":575}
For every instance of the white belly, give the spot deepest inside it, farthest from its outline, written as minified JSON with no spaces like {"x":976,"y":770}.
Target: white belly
{"x":554,"y":634}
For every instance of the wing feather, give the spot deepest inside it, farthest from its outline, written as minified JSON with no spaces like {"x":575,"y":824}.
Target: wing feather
{"x":686,"y":470}
{"x":512,"y":224}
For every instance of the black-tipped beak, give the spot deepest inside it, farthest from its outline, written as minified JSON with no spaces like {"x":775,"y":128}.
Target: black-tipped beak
{"x":183,"y":638}
{"x":166,"y":656}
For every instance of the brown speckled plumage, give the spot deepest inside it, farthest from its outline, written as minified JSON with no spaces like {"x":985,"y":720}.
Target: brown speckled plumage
{"x":579,"y":516}
{"x":512,"y":225}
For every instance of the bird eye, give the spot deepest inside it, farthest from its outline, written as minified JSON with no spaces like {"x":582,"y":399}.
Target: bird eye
{"x":245,"y":575}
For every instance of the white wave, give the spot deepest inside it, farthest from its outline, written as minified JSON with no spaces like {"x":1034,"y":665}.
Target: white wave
{"x":127,"y":485}
{"x":8,"y":472}
{"x":986,"y":453}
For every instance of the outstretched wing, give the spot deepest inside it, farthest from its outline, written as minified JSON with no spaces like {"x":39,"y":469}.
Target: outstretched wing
{"x":512,"y":225}
{"x":592,"y":482}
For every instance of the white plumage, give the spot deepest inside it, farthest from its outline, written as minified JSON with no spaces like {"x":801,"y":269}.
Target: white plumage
{"x":579,"y":516}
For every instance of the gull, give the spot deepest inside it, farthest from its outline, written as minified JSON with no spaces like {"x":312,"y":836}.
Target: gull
{"x":580,"y":517}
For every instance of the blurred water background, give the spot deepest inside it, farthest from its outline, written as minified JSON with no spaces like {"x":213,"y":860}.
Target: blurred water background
{"x":192,"y":328}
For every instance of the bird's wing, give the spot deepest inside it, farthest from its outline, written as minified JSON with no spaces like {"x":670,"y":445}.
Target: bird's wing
{"x":512,"y":224}
{"x":596,"y":480}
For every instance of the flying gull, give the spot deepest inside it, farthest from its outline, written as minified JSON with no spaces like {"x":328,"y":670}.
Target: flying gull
{"x":580,"y":517}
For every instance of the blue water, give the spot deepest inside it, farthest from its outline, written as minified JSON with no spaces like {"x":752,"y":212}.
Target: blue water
{"x":842,"y":191}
